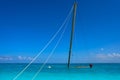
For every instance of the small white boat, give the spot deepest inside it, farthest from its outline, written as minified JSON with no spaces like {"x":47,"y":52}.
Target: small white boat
{"x":49,"y":67}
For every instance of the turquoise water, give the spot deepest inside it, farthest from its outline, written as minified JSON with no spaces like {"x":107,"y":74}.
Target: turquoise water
{"x":60,"y":72}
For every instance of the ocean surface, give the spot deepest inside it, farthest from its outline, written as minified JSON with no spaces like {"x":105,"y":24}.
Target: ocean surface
{"x":60,"y":72}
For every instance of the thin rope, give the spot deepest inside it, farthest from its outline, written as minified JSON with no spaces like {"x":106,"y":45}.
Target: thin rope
{"x":49,"y":54}
{"x":44,"y":46}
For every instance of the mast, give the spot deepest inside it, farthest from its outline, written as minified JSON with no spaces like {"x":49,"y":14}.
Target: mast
{"x":72,"y":32}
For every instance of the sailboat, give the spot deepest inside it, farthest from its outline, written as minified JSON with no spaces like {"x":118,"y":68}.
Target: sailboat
{"x":71,"y":39}
{"x":72,"y":32}
{"x":70,"y":49}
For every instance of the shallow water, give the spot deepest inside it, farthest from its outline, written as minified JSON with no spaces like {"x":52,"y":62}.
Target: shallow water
{"x":61,"y":72}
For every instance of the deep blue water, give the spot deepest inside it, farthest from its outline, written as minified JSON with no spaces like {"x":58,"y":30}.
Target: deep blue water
{"x":60,"y":72}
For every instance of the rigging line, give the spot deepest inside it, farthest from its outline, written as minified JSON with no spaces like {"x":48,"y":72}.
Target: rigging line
{"x":44,"y":46}
{"x":51,"y":52}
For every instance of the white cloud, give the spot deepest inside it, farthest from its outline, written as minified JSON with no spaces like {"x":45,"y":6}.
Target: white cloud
{"x":101,"y":57}
{"x":15,"y":59}
{"x":24,"y":58}
{"x":6,"y":58}
{"x":102,"y":49}
{"x":115,"y":55}
{"x":30,"y":58}
{"x":110,"y":55}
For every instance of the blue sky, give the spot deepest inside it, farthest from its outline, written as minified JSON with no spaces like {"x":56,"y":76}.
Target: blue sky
{"x":27,"y":25}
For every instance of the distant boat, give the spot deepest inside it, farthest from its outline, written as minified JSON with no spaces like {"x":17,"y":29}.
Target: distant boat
{"x":49,"y":67}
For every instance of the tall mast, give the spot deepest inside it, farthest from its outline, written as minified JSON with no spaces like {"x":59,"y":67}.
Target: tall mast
{"x":72,"y":32}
